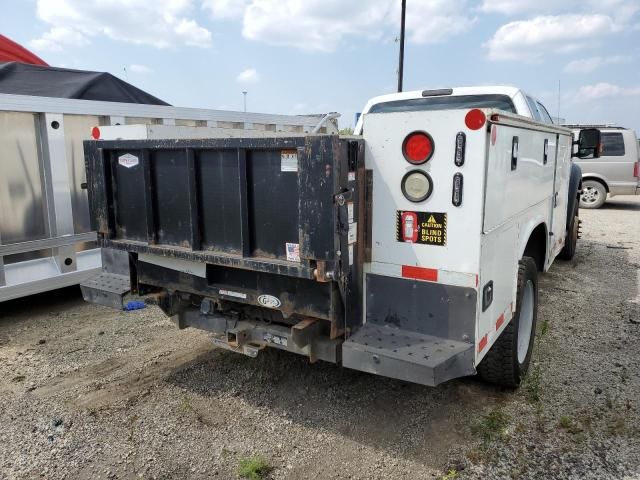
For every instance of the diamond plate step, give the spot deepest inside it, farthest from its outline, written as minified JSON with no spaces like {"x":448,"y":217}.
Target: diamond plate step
{"x":106,"y":289}
{"x":407,"y":355}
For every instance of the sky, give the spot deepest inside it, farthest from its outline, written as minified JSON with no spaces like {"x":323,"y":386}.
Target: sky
{"x":579,"y":57}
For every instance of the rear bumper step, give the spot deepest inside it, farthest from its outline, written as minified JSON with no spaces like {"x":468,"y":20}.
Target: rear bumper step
{"x":407,"y":355}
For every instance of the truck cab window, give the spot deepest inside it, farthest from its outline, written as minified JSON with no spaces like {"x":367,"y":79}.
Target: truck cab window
{"x":500,"y":102}
{"x":533,"y":108}
{"x":546,"y":118}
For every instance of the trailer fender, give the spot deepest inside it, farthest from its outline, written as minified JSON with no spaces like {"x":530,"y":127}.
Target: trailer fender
{"x":575,"y":188}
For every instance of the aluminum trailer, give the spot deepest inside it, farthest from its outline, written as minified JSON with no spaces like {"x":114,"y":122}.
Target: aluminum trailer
{"x":46,"y":240}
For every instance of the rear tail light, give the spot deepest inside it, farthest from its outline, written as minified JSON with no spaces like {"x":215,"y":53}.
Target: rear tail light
{"x":475,"y":119}
{"x":417,"y":147}
{"x":417,"y":186}
{"x":636,"y":169}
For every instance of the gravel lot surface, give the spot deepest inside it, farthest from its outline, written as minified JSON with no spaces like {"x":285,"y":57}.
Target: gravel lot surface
{"x":89,"y":392}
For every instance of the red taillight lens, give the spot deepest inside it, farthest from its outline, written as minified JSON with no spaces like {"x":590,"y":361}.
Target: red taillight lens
{"x":636,"y":169}
{"x":418,"y":147}
{"x":475,"y":119}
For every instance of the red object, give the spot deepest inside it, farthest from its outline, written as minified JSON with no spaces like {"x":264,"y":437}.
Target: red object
{"x":417,"y":147}
{"x":10,"y":51}
{"x":409,"y":227}
{"x":482,"y":343}
{"x":419,"y":273}
{"x":636,"y":169}
{"x":475,"y":119}
{"x":500,"y":321}
{"x":95,"y":133}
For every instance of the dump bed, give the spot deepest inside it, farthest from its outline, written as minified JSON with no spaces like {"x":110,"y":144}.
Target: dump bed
{"x":265,"y":222}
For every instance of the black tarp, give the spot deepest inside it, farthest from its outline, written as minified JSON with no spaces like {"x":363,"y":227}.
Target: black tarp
{"x":23,"y":79}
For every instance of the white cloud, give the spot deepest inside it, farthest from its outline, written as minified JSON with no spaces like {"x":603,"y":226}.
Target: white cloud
{"x":311,"y":24}
{"x":432,"y":21}
{"x":162,"y":23}
{"x":532,"y":39}
{"x":621,"y":10}
{"x":137,"y":68}
{"x":250,"y":75}
{"x":605,"y":90}
{"x":225,"y":8}
{"x":511,"y":7}
{"x":58,"y":37}
{"x":324,"y":25}
{"x":587,"y":65}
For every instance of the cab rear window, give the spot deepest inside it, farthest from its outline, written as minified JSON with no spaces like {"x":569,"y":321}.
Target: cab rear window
{"x":500,"y":102}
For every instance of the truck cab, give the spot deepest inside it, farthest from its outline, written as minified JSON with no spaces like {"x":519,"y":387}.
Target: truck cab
{"x":509,"y":99}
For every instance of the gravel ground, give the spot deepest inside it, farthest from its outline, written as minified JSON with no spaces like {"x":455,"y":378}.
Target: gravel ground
{"x":89,"y":392}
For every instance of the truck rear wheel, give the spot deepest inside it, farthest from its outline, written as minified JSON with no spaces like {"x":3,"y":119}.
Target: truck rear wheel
{"x":508,"y":360}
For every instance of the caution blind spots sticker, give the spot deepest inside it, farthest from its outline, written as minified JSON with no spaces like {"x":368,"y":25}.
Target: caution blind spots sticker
{"x":427,"y":228}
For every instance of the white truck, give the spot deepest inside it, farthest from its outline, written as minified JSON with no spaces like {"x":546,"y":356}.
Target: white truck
{"x":411,"y":250}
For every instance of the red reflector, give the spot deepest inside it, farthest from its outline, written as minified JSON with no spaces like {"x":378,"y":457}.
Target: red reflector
{"x":482,"y":343}
{"x":419,"y":273}
{"x":475,"y":119}
{"x":417,"y":147}
{"x":636,"y":170}
{"x":95,"y":133}
{"x":500,"y":321}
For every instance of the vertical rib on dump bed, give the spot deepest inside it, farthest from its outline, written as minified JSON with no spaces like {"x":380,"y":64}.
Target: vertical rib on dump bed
{"x":264,"y":227}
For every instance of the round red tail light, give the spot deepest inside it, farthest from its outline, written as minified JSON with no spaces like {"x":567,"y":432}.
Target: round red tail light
{"x":418,"y":147}
{"x":475,"y":119}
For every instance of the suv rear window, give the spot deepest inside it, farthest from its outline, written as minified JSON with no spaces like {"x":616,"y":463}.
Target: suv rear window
{"x":500,"y":102}
{"x":612,"y":145}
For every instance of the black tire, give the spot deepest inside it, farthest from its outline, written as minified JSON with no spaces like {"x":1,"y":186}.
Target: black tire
{"x":571,"y":240}
{"x":501,"y":365}
{"x":594,"y":194}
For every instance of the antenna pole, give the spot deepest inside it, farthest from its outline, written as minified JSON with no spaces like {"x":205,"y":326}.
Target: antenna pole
{"x":401,"y":55}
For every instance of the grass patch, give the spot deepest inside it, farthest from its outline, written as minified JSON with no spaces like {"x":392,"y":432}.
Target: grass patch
{"x":253,"y":468}
{"x":544,"y":328}
{"x":532,"y":384}
{"x":492,"y":426}
{"x":185,"y":405}
{"x":569,"y":424}
{"x":452,"y":474}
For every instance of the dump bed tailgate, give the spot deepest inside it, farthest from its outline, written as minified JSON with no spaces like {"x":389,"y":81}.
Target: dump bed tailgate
{"x":273,"y":206}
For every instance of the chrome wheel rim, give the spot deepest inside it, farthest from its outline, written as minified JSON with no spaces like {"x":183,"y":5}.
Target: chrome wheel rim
{"x":590,"y":195}
{"x":525,"y":322}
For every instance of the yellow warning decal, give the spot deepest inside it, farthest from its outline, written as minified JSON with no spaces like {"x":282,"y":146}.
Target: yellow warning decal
{"x":427,"y":228}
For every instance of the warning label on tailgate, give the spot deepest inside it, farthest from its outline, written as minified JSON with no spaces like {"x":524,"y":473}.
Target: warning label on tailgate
{"x":427,"y":228}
